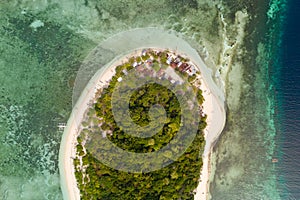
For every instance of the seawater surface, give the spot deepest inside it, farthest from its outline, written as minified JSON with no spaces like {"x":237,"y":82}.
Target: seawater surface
{"x":42,"y":45}
{"x":288,"y":93}
{"x":266,"y":125}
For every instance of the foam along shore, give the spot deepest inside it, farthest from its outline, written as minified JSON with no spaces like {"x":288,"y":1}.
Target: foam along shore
{"x":149,"y":38}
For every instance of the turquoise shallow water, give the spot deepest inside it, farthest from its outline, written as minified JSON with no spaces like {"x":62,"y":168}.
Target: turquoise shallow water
{"x":42,"y":45}
{"x":38,"y":67}
{"x":269,"y":129}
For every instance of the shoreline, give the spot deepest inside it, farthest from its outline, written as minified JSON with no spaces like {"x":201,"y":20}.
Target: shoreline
{"x":69,"y":139}
{"x":213,"y":97}
{"x":216,"y":119}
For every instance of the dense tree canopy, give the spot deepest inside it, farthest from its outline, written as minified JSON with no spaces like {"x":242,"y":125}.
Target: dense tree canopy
{"x":176,"y":181}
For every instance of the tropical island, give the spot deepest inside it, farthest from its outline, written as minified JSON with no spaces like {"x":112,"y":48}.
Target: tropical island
{"x":176,"y":181}
{"x":182,"y":178}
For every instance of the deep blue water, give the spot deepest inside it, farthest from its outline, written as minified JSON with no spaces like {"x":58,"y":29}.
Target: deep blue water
{"x":288,"y":105}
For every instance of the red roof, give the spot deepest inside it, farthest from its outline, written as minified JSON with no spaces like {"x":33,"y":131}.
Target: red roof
{"x":173,"y":65}
{"x":183,"y":66}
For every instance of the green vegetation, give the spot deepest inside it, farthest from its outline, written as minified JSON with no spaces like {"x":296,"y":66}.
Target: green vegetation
{"x":145,"y":57}
{"x":156,"y":66}
{"x":192,"y":78}
{"x":176,"y":181}
{"x":139,"y":105}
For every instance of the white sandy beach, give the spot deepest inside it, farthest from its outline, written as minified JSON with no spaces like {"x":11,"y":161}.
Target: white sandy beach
{"x":213,"y":107}
{"x":215,"y":123}
{"x":69,"y":139}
